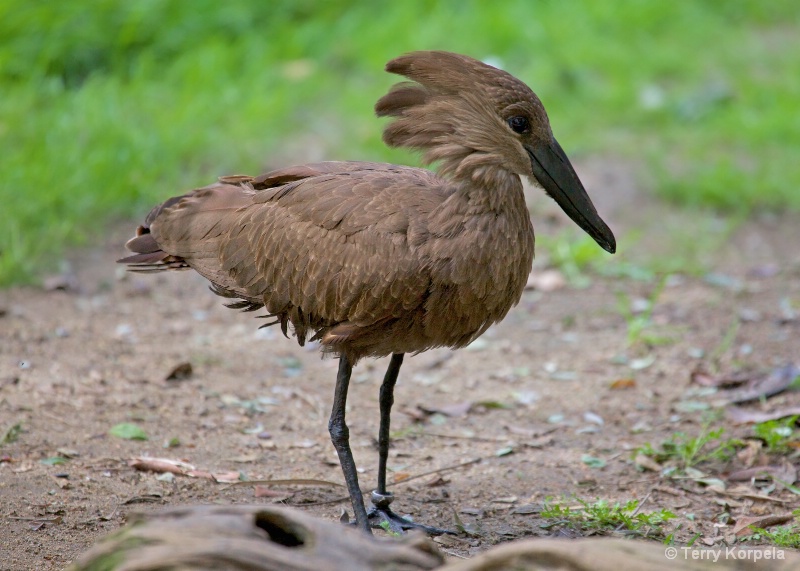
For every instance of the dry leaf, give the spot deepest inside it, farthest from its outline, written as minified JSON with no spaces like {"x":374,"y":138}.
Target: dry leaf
{"x":741,"y":416}
{"x":180,"y":372}
{"x":437,"y":481}
{"x":246,"y":458}
{"x":647,"y":463}
{"x":786,"y":473}
{"x":226,"y":477}
{"x":540,"y":442}
{"x":749,"y":454}
{"x":743,"y":524}
{"x":622,"y":384}
{"x":776,"y":381}
{"x":456,"y":409}
{"x":160,"y":465}
{"x":749,"y":493}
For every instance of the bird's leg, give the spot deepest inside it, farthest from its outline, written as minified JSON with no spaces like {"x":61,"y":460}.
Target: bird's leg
{"x":381,"y":497}
{"x":386,"y":400}
{"x":340,"y":436}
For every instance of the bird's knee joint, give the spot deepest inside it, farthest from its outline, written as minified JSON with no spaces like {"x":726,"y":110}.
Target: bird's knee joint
{"x":338,"y":431}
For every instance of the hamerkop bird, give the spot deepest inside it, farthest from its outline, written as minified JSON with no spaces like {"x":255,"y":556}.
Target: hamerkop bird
{"x":376,"y":259}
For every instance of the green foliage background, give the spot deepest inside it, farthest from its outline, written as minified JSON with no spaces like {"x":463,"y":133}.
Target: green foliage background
{"x":109,"y":106}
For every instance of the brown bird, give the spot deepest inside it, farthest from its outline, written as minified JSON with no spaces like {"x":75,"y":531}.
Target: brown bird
{"x":377,"y":259}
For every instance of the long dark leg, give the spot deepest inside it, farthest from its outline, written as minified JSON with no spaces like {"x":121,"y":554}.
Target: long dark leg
{"x":340,"y":436}
{"x":386,"y":401}
{"x":382,"y":514}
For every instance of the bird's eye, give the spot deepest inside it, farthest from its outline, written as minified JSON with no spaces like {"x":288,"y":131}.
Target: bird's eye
{"x":519,"y":124}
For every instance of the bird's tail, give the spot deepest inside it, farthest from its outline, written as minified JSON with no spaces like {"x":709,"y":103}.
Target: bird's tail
{"x":148,"y":257}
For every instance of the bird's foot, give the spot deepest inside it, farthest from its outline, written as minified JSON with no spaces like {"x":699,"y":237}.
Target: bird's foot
{"x":381,"y":516}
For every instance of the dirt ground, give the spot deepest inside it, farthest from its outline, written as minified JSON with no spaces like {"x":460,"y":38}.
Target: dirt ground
{"x":96,"y":351}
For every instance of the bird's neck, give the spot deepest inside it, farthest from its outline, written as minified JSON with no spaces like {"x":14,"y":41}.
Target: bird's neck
{"x":492,"y":191}
{"x":479,"y":203}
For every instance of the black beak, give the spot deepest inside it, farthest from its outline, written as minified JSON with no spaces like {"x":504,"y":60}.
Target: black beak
{"x":552,"y":169}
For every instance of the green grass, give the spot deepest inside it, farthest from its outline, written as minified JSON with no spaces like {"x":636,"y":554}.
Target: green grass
{"x":779,"y":436}
{"x":604,"y":517}
{"x":110,"y":106}
{"x":782,"y":535}
{"x":683,"y":451}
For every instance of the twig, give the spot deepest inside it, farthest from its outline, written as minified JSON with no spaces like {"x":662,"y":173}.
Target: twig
{"x":638,"y":507}
{"x":297,"y":482}
{"x":478,"y":438}
{"x":452,"y":554}
{"x":52,"y":416}
{"x":440,"y":470}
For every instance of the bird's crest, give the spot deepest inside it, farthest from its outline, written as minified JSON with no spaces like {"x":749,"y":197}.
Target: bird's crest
{"x":455,"y":106}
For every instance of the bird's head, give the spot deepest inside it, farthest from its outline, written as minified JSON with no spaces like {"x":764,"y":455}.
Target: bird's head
{"x":480,"y":122}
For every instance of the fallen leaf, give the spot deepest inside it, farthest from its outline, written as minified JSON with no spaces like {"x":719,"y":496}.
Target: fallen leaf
{"x":745,"y":492}
{"x":149,"y":464}
{"x":527,"y":509}
{"x":246,"y":458}
{"x":743,"y":524}
{"x":227,"y":477}
{"x":749,"y":454}
{"x":644,"y":461}
{"x":504,"y":500}
{"x":128,"y":431}
{"x":493,"y":404}
{"x":143,"y":499}
{"x":643,"y":363}
{"x":436,"y":482}
{"x":622,"y":384}
{"x":54,"y":461}
{"x":741,"y":416}
{"x":456,"y":409}
{"x":786,"y":473}
{"x":180,"y":372}
{"x":540,"y":442}
{"x":701,"y":376}
{"x":773,"y":383}
{"x":593,"y":461}
{"x":530,"y":432}
{"x":505,"y":451}
{"x":593,"y":417}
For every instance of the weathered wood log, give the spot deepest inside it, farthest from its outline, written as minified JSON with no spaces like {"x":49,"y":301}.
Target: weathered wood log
{"x":271,"y":538}
{"x":251,"y":538}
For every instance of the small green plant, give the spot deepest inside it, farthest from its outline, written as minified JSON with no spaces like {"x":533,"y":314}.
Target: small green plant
{"x":11,"y":433}
{"x":602,"y":516}
{"x":686,"y":451}
{"x":779,"y":436}
{"x":641,"y":329}
{"x":388,"y":529}
{"x":782,"y":536}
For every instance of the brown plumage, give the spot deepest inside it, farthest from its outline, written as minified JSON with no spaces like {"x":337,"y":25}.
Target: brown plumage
{"x":377,"y":259}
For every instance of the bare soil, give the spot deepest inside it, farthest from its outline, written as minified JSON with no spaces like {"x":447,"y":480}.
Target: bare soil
{"x":522,"y":407}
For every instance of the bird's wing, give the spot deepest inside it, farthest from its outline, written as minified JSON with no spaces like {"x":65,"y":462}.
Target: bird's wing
{"x":326,"y":244}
